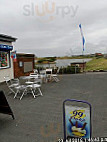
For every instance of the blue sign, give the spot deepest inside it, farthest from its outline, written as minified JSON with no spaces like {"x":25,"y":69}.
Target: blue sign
{"x":5,"y":47}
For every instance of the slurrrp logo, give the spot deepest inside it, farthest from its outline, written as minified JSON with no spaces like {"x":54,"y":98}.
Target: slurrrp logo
{"x":47,"y":11}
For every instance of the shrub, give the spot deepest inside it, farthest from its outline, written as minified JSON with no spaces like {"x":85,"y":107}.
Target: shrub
{"x":48,"y":59}
{"x":69,"y":70}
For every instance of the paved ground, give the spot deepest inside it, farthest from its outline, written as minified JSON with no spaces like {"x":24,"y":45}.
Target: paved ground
{"x":40,"y":120}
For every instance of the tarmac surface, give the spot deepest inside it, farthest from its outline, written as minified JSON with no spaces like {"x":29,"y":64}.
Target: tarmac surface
{"x":41,"y":119}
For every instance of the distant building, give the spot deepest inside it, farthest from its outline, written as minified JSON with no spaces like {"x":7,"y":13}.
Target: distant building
{"x":99,"y":55}
{"x":6,"y":63}
{"x":24,"y":64}
{"x":81,"y":65}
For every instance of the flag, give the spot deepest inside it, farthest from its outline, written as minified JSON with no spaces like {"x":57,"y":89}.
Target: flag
{"x":83,"y":39}
{"x":80,"y":26}
{"x":13,"y":56}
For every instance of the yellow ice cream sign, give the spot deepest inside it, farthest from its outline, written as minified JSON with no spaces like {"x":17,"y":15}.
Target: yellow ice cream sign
{"x":78,"y":114}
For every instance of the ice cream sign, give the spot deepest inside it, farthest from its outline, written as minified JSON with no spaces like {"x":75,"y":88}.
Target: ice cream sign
{"x":77,"y":119}
{"x":78,"y":115}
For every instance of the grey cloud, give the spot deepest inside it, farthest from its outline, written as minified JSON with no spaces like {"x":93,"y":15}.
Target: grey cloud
{"x":60,"y":35}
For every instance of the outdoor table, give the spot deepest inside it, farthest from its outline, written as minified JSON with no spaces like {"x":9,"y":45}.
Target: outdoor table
{"x":29,"y":82}
{"x":26,"y":77}
{"x":34,"y":76}
{"x":14,"y":85}
{"x":29,"y":79}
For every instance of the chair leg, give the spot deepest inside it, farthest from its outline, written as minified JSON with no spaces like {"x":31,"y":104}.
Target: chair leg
{"x":40,"y":92}
{"x":45,"y":80}
{"x":55,"y":79}
{"x":12,"y":90}
{"x":23,"y":94}
{"x":33,"y":93}
{"x":16,"y":94}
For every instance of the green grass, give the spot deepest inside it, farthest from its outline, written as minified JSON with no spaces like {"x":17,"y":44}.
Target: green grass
{"x":97,"y":64}
{"x":66,"y":57}
{"x":74,"y":57}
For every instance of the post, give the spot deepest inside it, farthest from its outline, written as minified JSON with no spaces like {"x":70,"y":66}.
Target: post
{"x":75,"y":69}
{"x":83,"y":59}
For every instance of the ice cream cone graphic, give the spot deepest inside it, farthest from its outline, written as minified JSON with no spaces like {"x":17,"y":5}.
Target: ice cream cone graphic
{"x":78,"y":132}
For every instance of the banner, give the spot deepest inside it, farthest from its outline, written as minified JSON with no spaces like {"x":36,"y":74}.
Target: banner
{"x":83,"y":39}
{"x":77,"y":119}
{"x":13,"y":56}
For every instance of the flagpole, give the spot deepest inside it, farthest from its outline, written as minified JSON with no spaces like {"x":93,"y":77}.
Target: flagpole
{"x":83,"y":59}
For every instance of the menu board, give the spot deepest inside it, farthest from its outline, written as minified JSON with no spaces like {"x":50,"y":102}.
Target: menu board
{"x":4,"y":106}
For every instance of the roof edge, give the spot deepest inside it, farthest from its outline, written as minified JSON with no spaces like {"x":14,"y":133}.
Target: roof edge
{"x":7,"y":38}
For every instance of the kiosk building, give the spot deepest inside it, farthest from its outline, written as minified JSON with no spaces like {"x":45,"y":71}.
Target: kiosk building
{"x":6,"y":63}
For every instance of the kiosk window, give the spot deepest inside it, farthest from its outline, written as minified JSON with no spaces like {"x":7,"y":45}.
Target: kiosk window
{"x":4,"y":59}
{"x":20,"y":64}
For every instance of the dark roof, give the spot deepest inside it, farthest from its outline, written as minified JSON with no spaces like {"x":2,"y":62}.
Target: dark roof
{"x":7,"y":38}
{"x":98,"y":54}
{"x":21,"y":55}
{"x":78,"y":63}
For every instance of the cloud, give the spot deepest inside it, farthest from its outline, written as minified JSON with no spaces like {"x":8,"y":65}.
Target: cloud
{"x":37,"y":34}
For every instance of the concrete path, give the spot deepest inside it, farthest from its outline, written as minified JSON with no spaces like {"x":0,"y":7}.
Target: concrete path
{"x":40,"y":119}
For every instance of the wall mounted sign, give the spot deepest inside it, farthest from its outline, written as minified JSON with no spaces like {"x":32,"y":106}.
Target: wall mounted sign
{"x":28,"y":67}
{"x":77,"y":119}
{"x":5,"y":47}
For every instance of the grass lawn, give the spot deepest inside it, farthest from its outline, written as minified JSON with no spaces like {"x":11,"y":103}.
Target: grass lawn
{"x":97,"y":64}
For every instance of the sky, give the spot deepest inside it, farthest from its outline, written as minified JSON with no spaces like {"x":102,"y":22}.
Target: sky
{"x":50,"y":27}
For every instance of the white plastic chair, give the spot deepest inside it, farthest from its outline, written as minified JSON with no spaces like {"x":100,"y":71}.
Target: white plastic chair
{"x":35,"y":75}
{"x":36,"y":87}
{"x":43,"y":76}
{"x":35,"y":71}
{"x":36,"y":78}
{"x":51,"y":76}
{"x":11,"y":83}
{"x":20,"y":89}
{"x":32,"y":88}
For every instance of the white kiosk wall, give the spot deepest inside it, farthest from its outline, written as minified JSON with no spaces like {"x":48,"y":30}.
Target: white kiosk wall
{"x":7,"y":72}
